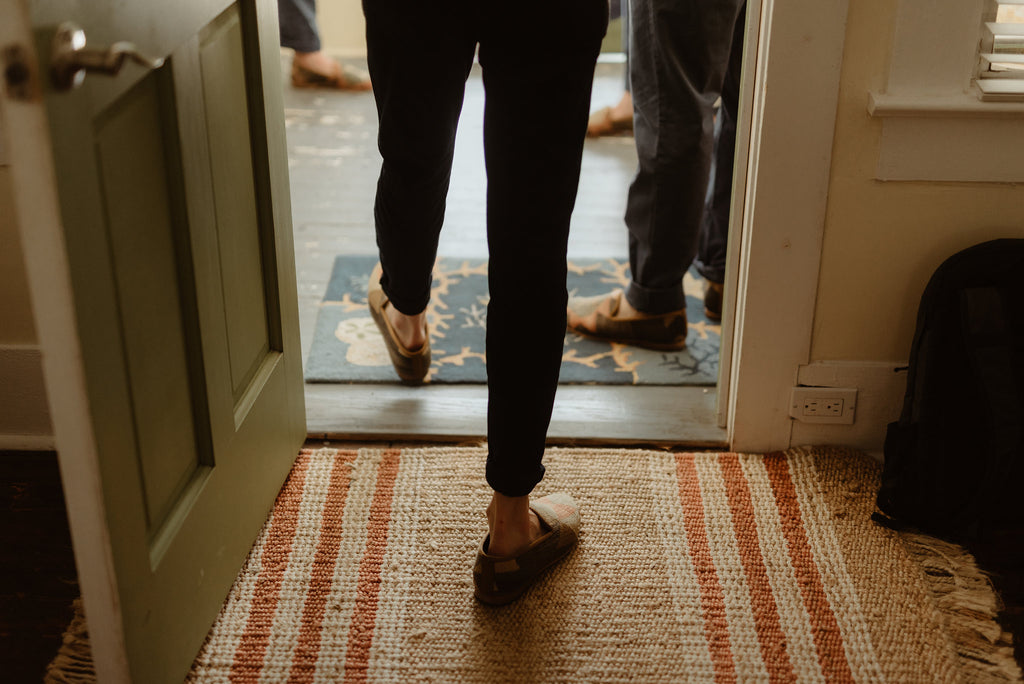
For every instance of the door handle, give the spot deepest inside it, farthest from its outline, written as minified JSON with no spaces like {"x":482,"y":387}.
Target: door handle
{"x":71,"y":60}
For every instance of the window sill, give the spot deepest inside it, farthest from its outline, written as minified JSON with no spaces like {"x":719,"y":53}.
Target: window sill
{"x":952,"y":138}
{"x":940,"y":106}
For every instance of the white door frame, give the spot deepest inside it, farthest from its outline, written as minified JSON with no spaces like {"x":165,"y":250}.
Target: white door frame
{"x":783,"y":193}
{"x":37,"y":213}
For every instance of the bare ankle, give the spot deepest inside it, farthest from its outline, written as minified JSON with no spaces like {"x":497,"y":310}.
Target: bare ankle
{"x":512,"y":524}
{"x":411,"y":330}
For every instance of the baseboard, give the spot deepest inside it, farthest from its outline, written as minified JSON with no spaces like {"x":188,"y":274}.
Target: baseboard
{"x":880,"y":389}
{"x":27,"y":443}
{"x":24,"y":412}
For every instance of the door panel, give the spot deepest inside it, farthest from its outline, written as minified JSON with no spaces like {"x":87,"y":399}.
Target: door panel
{"x":133,"y":177}
{"x":238,"y":230}
{"x":174,"y":203}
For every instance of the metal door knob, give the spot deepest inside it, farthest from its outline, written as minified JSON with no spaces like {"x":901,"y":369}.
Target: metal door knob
{"x":71,"y":60}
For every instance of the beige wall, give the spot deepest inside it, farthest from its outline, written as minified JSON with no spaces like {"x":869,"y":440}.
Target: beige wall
{"x":24,"y":415}
{"x":342,"y":29}
{"x":883,"y":240}
{"x":16,"y":324}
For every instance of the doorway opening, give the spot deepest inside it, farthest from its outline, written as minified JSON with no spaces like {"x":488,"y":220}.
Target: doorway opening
{"x":333,"y":166}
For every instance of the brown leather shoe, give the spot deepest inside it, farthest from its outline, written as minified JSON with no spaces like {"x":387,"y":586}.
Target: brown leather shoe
{"x":503,"y":579}
{"x":341,"y":77}
{"x":598,"y":317}
{"x":412,"y":366}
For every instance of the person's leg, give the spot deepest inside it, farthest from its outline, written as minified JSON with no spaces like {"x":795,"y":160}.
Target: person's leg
{"x":419,"y":56}
{"x":679,"y":57}
{"x":711,"y":250}
{"x":297,"y":19}
{"x":311,"y":67}
{"x":617,"y":118}
{"x":533,"y":168}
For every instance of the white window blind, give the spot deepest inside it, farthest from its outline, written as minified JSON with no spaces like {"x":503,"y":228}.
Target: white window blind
{"x":1001,"y":58}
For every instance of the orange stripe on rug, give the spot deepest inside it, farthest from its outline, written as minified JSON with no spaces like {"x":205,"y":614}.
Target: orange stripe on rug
{"x":307,"y":649}
{"x":364,"y":615}
{"x":248,"y":660}
{"x":828,"y":640}
{"x":766,"y":611}
{"x":716,"y":625}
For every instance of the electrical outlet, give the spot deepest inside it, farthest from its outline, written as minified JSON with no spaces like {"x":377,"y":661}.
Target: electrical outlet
{"x":824,"y":404}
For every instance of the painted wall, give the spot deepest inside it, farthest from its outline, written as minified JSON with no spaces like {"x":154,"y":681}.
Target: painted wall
{"x":881,"y":243}
{"x":16,"y":324}
{"x":24,"y":417}
{"x":342,"y":28}
{"x":883,"y":240}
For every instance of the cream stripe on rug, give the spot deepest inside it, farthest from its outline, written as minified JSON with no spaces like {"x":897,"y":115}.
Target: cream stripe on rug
{"x":691,"y":567}
{"x":774,"y":645}
{"x":740,"y":608}
{"x":793,"y":616}
{"x":832,"y":564}
{"x":682,"y":576}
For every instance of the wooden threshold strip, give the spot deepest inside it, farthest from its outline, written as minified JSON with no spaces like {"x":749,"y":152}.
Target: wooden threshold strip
{"x":584,"y":414}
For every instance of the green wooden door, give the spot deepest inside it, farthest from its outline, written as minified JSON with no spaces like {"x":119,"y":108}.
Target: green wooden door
{"x":174,"y":201}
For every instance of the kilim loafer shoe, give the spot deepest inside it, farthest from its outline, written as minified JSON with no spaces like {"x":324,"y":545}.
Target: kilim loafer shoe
{"x":713,"y":301}
{"x":503,"y":579}
{"x":598,"y":317}
{"x":412,"y":366}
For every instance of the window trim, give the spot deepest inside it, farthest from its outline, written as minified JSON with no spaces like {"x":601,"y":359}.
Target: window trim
{"x":934,"y":125}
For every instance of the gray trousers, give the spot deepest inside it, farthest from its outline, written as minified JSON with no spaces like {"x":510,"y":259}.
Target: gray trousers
{"x":298,"y":25}
{"x":680,"y":53}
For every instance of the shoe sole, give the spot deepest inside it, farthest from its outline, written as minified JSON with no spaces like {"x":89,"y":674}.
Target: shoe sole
{"x":644,"y":344}
{"x":505,"y":599}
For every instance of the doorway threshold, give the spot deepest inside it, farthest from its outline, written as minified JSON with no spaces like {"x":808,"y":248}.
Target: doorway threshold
{"x":584,"y":414}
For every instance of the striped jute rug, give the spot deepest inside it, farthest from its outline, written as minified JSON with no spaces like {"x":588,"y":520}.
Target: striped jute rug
{"x":691,"y":567}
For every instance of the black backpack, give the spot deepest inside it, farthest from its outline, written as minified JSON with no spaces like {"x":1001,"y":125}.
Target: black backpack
{"x":954,"y":462}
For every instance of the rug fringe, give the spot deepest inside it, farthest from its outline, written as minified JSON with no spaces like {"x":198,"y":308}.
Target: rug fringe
{"x":73,"y":662}
{"x":970,"y":606}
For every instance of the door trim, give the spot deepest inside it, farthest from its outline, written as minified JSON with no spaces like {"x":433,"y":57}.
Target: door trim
{"x":37,"y":214}
{"x":795,"y":99}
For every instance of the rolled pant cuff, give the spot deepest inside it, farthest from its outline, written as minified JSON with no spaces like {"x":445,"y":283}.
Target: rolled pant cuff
{"x":651,"y":301}
{"x":710,"y":273}
{"x":511,"y":481}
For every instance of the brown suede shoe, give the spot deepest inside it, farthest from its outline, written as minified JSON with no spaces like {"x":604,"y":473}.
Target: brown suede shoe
{"x":713,"y":301}
{"x":598,"y":317}
{"x":341,"y":77}
{"x":412,"y":366}
{"x":503,"y":579}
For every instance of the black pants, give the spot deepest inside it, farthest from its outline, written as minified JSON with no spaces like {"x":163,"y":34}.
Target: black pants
{"x":538,"y":70}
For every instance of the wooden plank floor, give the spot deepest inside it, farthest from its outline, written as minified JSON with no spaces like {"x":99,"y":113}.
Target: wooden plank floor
{"x":333,"y":164}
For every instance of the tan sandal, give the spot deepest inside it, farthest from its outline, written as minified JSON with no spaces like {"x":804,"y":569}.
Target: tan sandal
{"x":412,"y":366}
{"x":601,"y":123}
{"x":342,"y":77}
{"x":503,"y":579}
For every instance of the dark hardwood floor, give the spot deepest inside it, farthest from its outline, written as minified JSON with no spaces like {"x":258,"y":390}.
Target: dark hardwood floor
{"x":38,"y":580}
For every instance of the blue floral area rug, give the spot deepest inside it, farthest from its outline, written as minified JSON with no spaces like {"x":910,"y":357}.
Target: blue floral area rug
{"x":347,"y":347}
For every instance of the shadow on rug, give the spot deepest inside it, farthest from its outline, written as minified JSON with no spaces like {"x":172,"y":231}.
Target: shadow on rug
{"x":347,"y":346}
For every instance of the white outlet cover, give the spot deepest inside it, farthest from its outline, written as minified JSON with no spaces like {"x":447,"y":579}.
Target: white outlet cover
{"x":801,"y":395}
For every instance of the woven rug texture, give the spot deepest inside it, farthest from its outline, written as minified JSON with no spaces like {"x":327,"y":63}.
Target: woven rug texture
{"x":692,"y":567}
{"x":347,"y":347}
